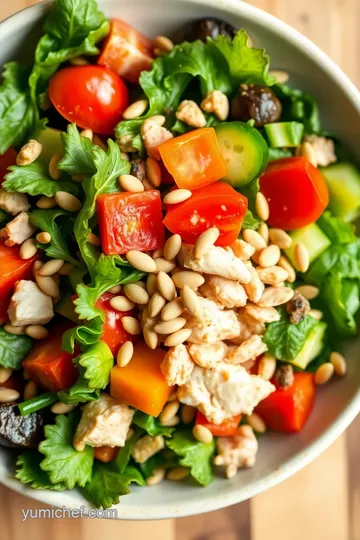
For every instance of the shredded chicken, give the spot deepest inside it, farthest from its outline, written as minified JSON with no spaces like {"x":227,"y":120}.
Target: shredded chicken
{"x":236,"y":452}
{"x":227,"y":292}
{"x":177,"y":365}
{"x":220,"y":262}
{"x":248,"y":327}
{"x":208,"y":355}
{"x":248,"y":350}
{"x":146,"y":447}
{"x":324,"y":149}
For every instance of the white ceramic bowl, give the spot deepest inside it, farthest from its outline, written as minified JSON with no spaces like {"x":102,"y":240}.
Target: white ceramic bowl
{"x":338,"y":403}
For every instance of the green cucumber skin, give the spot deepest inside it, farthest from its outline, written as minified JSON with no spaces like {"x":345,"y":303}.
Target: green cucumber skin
{"x":343,"y":181}
{"x":312,"y":348}
{"x":312,"y":237}
{"x":284,"y":134}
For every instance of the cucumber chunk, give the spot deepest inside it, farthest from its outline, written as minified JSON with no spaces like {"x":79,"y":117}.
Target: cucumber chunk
{"x":343,"y":180}
{"x":244,"y":150}
{"x":313,"y":346}
{"x":313,"y":239}
{"x":50,"y":139}
{"x":284,"y":134}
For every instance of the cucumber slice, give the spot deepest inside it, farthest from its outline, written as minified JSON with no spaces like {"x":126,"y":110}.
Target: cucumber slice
{"x":284,"y":134}
{"x":244,"y":150}
{"x":343,"y":180}
{"x":313,"y":346}
{"x":313,"y":239}
{"x":50,"y":139}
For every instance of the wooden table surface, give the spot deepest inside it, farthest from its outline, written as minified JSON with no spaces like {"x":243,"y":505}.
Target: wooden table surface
{"x":322,"y":502}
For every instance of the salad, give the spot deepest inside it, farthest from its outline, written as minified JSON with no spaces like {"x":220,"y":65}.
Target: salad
{"x":179,"y":260}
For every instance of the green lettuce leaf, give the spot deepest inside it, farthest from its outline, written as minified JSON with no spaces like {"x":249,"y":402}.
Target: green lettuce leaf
{"x":251,"y":221}
{"x":336,"y":229}
{"x":341,"y":259}
{"x":124,"y":454}
{"x":299,"y":106}
{"x":97,"y":362}
{"x":151,"y":425}
{"x":341,"y":298}
{"x":78,"y":153}
{"x":13,"y":349}
{"x":80,"y":392}
{"x":28,"y":471}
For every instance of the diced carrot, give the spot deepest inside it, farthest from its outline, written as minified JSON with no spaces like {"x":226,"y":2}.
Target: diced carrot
{"x":226,"y":429}
{"x":141,"y":383}
{"x":105,"y":453}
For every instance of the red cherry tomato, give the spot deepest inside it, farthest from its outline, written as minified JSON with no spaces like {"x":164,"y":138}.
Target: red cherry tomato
{"x":93,"y":97}
{"x":227,"y":429}
{"x":7,"y":159}
{"x":296,"y":192}
{"x":114,"y":334}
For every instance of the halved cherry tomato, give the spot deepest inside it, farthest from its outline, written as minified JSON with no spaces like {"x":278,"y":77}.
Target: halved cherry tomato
{"x":217,"y":205}
{"x":296,"y":192}
{"x":130,"y":221}
{"x":126,"y":51}
{"x":194,"y":159}
{"x":105,"y":453}
{"x":114,"y":334}
{"x":13,"y":268}
{"x":7,"y":159}
{"x":166,"y":177}
{"x":93,"y":97}
{"x":226,"y":429}
{"x":287,"y":409}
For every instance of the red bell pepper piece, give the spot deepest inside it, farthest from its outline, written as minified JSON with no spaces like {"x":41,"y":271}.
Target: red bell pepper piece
{"x":226,"y":429}
{"x":6,"y":160}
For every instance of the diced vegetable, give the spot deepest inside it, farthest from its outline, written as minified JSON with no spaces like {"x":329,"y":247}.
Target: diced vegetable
{"x":50,"y":366}
{"x":296,"y":192}
{"x":51,"y":141}
{"x":226,"y":429}
{"x":7,"y":159}
{"x":141,"y":383}
{"x":105,"y":453}
{"x":37,"y":403}
{"x":284,"y":134}
{"x":343,"y":180}
{"x":287,"y":409}
{"x":244,"y":150}
{"x":312,"y":348}
{"x":312,"y":237}
{"x":126,"y":51}
{"x":114,"y":334}
{"x":66,"y":308}
{"x":129,"y":221}
{"x":194,"y":159}
{"x":217,"y":205}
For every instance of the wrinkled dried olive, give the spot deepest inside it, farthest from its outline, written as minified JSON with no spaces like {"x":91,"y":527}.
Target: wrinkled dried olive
{"x":256,"y":102}
{"x":284,"y":376}
{"x":18,"y":431}
{"x":211,"y":28}
{"x":138,"y":169}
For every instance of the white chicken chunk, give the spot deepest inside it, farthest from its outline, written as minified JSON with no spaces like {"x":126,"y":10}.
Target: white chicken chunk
{"x":146,"y":447}
{"x":236,"y":452}
{"x":223,"y":392}
{"x":248,"y":350}
{"x":153,"y":134}
{"x":212,"y":323}
{"x":255,"y":288}
{"x":29,"y":305}
{"x":13,"y":203}
{"x":227,"y":292}
{"x":248,"y":327}
{"x":18,"y":230}
{"x":177,"y":365}
{"x":208,"y":355}
{"x":220,"y":262}
{"x":104,"y":422}
{"x":323,"y":148}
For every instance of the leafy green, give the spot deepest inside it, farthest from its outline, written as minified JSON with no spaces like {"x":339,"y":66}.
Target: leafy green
{"x":164,"y":459}
{"x":342,"y":259}
{"x":151,"y":425}
{"x":28,"y":471}
{"x":284,"y":339}
{"x":336,"y":229}
{"x":299,"y":106}
{"x":13,"y":349}
{"x":62,"y":462}
{"x":193,"y":454}
{"x":80,"y":392}
{"x":250,"y":191}
{"x":251,"y":222}
{"x":78,"y":153}
{"x":341,"y":297}
{"x":97,"y":362}
{"x":124,"y":454}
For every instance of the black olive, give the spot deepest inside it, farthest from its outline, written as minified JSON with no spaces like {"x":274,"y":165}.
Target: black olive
{"x":211,"y":28}
{"x":18,"y":431}
{"x":138,"y":169}
{"x":256,"y":102}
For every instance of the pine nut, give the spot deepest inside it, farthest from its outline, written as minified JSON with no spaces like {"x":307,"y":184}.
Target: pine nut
{"x":187,"y":414}
{"x":256,"y":422}
{"x":141,"y":261}
{"x":66,"y":269}
{"x":130,"y":183}
{"x":261,"y":206}
{"x":61,"y":408}
{"x":308,"y":291}
{"x":280,"y":238}
{"x":170,"y":327}
{"x":186,"y":277}
{"x":136,"y":109}
{"x":172,"y":310}
{"x":116,"y":289}
{"x":30,"y":390}
{"x":301,"y":257}
{"x":173,"y":396}
{"x":177,"y":474}
{"x":269,"y":256}
{"x":162,"y":265}
{"x":51,"y":267}
{"x":205,"y":241}
{"x":153,"y":172}
{"x":87,"y":133}
{"x":324,"y":373}
{"x":316,"y":314}
{"x":339,"y":363}
{"x":163,"y":43}
{"x":254,"y":238}
{"x":29,"y":153}
{"x":36,"y":267}
{"x":177,"y":338}
{"x":166,"y":286}
{"x":121,"y":303}
{"x":150,"y":337}
{"x":171,"y":423}
{"x":157,"y":302}
{"x":67,"y":201}
{"x":263,"y":230}
{"x":307,"y":151}
{"x":8,"y":394}
{"x":43,"y":238}
{"x":169,"y":411}
{"x":28,"y":249}
{"x":156,"y":478}
{"x":131,"y":325}
{"x":275,"y":296}
{"x":158,"y":253}
{"x":99,"y":142}
{"x":177,"y":196}
{"x":93,"y":239}
{"x":272,"y":275}
{"x":267,"y":366}
{"x":125,"y":354}
{"x":190,"y":299}
{"x":36,"y":331}
{"x":46,"y":202}
{"x":151,"y":284}
{"x":54,"y":172}
{"x":284,"y":263}
{"x":136,"y":294}
{"x":15,"y":330}
{"x":281,"y":77}
{"x":5,"y":374}
{"x":79,"y":61}
{"x":202,"y":434}
{"x":48,"y":285}
{"x":172,"y":247}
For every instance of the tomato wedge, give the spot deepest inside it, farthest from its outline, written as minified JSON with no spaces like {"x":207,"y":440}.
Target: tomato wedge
{"x":226,"y":429}
{"x":6,"y":160}
{"x":296,"y":192}
{"x":126,"y":51}
{"x":217,"y":205}
{"x":194,"y":159}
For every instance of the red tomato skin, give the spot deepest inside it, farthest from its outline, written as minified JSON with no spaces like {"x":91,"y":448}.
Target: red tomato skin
{"x":217,"y":205}
{"x":228,"y":428}
{"x":287,"y":409}
{"x":114,"y":334}
{"x":92,"y":96}
{"x":126,"y":51}
{"x":296,"y":192}
{"x":6,"y":160}
{"x":130,"y":221}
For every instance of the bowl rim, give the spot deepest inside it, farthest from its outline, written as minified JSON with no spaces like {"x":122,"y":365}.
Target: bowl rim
{"x":319,"y":445}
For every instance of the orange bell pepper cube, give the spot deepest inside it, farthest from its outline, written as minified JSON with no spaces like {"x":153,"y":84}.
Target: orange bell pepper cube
{"x":141,"y":383}
{"x":287,"y":409}
{"x":226,"y":429}
{"x":105,"y":453}
{"x":194,"y":159}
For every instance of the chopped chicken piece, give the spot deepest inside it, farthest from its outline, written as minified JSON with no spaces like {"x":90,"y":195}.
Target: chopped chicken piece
{"x":224,"y":392}
{"x":236,"y":452}
{"x":177,"y":365}
{"x":146,"y":447}
{"x":220,"y":262}
{"x":104,"y":422}
{"x":13,"y":203}
{"x":255,"y":287}
{"x":212,"y":323}
{"x":248,"y":327}
{"x":243,"y":250}
{"x":324,"y":149}
{"x":208,"y":355}
{"x":248,"y":350}
{"x":29,"y":305}
{"x":262,"y":314}
{"x":18,"y":230}
{"x":190,"y":113}
{"x":153,"y":135}
{"x":227,"y":292}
